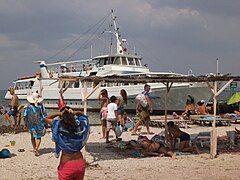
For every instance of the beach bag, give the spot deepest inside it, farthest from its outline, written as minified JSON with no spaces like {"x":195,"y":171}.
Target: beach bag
{"x":118,"y":130}
{"x":141,"y":99}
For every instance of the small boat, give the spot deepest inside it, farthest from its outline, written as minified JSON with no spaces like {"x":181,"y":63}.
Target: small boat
{"x":120,"y":62}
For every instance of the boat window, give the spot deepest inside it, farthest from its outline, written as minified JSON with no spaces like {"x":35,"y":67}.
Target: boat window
{"x":31,"y":83}
{"x":117,"y":84}
{"x":131,"y":61}
{"x":24,"y":85}
{"x":109,"y":84}
{"x":111,"y":59}
{"x":101,"y":62}
{"x":124,"y":61}
{"x":89,"y":84}
{"x":125,"y":84}
{"x":117,"y":60}
{"x":76,"y":84}
{"x":137,"y":62}
{"x":106,"y":61}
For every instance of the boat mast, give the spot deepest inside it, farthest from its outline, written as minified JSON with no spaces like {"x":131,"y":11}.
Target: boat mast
{"x":117,"y":34}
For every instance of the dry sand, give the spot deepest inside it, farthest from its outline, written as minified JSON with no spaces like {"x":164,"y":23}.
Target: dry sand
{"x":117,"y":163}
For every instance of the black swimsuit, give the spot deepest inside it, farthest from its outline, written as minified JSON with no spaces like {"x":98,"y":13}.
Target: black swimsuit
{"x":184,"y":137}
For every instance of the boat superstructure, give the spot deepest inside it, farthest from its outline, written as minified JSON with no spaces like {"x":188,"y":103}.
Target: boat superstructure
{"x":119,"y":63}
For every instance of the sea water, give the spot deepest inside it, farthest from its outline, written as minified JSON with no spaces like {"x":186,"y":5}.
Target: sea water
{"x":93,"y":116}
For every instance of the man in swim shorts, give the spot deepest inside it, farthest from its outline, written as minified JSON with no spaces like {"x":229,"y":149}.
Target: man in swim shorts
{"x":13,"y":108}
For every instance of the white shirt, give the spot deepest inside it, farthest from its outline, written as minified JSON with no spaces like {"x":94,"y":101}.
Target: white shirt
{"x":111,"y":108}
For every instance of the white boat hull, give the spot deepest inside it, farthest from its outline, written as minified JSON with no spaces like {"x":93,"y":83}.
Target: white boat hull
{"x":73,"y":96}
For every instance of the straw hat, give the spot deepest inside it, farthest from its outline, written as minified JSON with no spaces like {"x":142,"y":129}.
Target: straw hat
{"x":34,"y":98}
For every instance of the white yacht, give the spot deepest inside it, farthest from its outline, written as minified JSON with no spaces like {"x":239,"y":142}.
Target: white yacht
{"x":119,"y":63}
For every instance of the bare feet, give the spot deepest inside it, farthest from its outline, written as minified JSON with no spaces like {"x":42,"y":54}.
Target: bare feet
{"x":196,"y":150}
{"x":174,"y":156}
{"x":36,"y":153}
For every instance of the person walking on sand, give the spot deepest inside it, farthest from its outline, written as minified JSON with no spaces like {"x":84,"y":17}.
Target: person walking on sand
{"x":175,"y":132}
{"x":103,"y":97}
{"x":13,"y":108}
{"x":144,"y":111}
{"x":34,"y":115}
{"x":122,"y":102}
{"x":111,"y":117}
{"x":70,"y":134}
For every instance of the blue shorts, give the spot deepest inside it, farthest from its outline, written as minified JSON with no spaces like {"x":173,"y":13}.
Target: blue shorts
{"x":13,"y":112}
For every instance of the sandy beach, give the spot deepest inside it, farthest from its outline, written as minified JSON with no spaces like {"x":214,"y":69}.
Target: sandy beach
{"x":113,"y":162}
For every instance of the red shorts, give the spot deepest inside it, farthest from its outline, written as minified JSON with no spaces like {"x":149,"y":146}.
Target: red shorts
{"x":71,"y":170}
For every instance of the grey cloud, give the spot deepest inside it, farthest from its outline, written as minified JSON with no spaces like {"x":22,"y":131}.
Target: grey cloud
{"x":171,"y":35}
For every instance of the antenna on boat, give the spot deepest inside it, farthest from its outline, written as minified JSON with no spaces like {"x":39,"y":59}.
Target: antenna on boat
{"x":117,"y":34}
{"x":217,"y":66}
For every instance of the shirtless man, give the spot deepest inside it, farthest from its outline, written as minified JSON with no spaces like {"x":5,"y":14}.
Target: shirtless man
{"x":175,"y":132}
{"x":13,"y":108}
{"x":202,"y":110}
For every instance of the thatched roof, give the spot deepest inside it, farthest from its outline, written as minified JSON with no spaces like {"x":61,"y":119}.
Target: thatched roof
{"x":143,"y":78}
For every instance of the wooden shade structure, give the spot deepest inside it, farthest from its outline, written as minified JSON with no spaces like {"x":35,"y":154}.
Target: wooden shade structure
{"x":167,"y":80}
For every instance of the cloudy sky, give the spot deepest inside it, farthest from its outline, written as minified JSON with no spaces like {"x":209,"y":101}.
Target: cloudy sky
{"x":171,"y":35}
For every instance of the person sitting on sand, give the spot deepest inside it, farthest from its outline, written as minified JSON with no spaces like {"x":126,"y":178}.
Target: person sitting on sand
{"x":153,"y":148}
{"x":70,"y":135}
{"x":237,"y":112}
{"x":175,"y":132}
{"x":189,"y":109}
{"x":201,"y":110}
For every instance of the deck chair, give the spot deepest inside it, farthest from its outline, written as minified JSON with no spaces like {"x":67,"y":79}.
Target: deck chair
{"x":203,"y":138}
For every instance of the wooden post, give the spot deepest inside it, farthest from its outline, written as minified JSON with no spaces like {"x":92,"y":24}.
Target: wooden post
{"x":84,"y":97}
{"x":213,"y":149}
{"x":40,"y":88}
{"x":168,"y":87}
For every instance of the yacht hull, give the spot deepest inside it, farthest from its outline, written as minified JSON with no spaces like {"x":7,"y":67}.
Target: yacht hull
{"x":176,"y":97}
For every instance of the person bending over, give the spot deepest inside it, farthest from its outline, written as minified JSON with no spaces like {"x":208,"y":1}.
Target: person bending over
{"x":174,"y":133}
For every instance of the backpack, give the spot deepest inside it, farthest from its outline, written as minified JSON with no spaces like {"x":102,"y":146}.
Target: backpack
{"x":141,"y":99}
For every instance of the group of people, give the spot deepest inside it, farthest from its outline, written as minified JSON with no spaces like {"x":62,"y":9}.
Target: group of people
{"x":68,"y":134}
{"x":191,"y":109}
{"x":112,"y":112}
